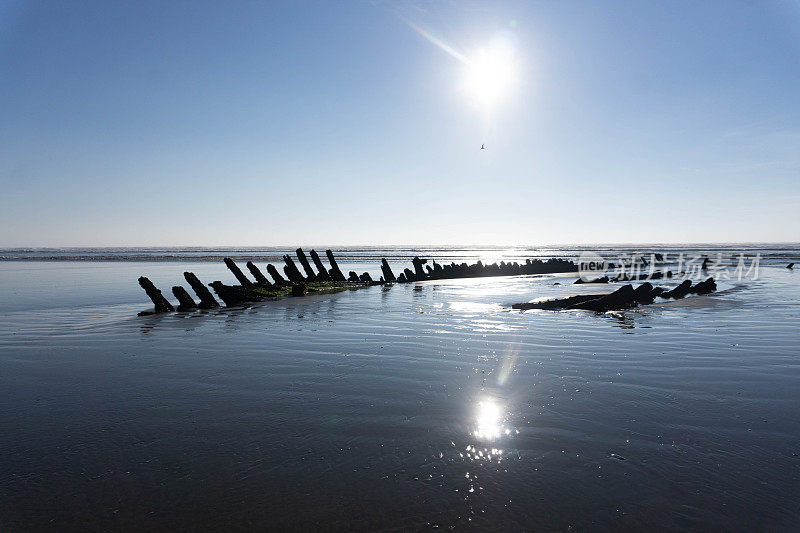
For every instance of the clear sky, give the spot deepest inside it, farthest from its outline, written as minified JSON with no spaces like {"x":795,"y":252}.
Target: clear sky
{"x":188,"y":123}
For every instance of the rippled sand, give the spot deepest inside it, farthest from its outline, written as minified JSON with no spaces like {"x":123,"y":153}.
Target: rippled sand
{"x":412,"y":406}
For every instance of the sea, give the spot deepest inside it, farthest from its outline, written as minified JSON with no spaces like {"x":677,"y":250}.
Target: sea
{"x":419,"y":406}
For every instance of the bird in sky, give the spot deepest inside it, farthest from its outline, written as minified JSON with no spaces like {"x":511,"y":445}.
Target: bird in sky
{"x":483,"y":147}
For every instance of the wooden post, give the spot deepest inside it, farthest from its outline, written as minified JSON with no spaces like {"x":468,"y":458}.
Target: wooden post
{"x":301,"y":256}
{"x":291,"y":270}
{"x":335,"y":273}
{"x":323,"y":273}
{"x":234,"y":294}
{"x":238,"y":273}
{"x":388,"y":275}
{"x":161,"y":303}
{"x":207,"y":301}
{"x":419,"y":273}
{"x":185,"y":302}
{"x":276,"y":275}
{"x":258,"y":275}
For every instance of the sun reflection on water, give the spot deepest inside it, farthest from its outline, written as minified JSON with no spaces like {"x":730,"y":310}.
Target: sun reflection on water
{"x":489,"y":421}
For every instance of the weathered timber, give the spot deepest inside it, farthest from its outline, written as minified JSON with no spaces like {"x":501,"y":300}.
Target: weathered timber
{"x":419,"y":273}
{"x":234,"y":294}
{"x":409,"y":275}
{"x":464,"y":270}
{"x":619,"y":299}
{"x":646,"y":293}
{"x":366,"y":278}
{"x":237,"y":273}
{"x":352,"y":276}
{"x":162,"y":305}
{"x":705,"y":287}
{"x":185,"y":302}
{"x":335,"y":273}
{"x":299,"y":289}
{"x":291,"y":270}
{"x":624,"y":297}
{"x":680,"y":291}
{"x":604,"y":279}
{"x":790,"y":266}
{"x":207,"y":301}
{"x":322,"y":272}
{"x":301,"y":256}
{"x":272,"y":271}
{"x":259,"y":276}
{"x":388,"y":275}
{"x":642,"y":277}
{"x":437,"y":270}
{"x":560,"y":303}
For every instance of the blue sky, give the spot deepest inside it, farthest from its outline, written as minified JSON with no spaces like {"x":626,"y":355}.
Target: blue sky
{"x":187,"y":123}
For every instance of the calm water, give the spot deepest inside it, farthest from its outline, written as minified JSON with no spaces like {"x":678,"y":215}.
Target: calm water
{"x":427,"y":405}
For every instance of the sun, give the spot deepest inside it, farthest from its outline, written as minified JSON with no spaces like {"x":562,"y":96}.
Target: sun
{"x":491,"y":75}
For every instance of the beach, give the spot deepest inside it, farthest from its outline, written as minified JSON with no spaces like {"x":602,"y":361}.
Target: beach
{"x":418,"y":405}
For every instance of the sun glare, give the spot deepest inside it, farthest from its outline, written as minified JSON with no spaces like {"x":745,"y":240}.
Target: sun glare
{"x":491,"y":75}
{"x":488,"y":420}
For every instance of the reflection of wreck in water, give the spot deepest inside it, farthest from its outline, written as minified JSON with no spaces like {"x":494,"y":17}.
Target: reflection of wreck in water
{"x":329,"y":280}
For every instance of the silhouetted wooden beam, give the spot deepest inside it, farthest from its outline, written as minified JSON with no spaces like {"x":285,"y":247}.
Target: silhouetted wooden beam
{"x":237,"y":273}
{"x":419,"y":273}
{"x":185,"y":302}
{"x":276,"y":275}
{"x":161,"y":303}
{"x":259,"y":276}
{"x":352,"y":276}
{"x":366,"y":278}
{"x":301,"y":256}
{"x":335,"y":273}
{"x":438,"y":273}
{"x":322,"y":271}
{"x":388,"y":275}
{"x":234,"y":294}
{"x":291,"y":270}
{"x":207,"y":301}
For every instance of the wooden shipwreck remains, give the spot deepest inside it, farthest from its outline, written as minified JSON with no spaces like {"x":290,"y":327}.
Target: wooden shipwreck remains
{"x":388,"y":275}
{"x":237,"y":273}
{"x":161,"y":303}
{"x":301,"y":256}
{"x":185,"y":302}
{"x":276,"y":275}
{"x":291,"y":270}
{"x":322,"y":272}
{"x":259,"y":276}
{"x":335,"y":273}
{"x":622,"y":298}
{"x":327,"y":280}
{"x":207,"y":301}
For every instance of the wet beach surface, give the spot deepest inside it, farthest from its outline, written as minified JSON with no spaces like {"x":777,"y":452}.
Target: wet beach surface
{"x":429,"y":405}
